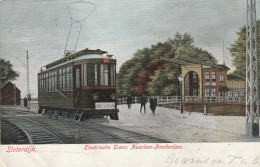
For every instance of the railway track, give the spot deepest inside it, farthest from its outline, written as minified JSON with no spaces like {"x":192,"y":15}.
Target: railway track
{"x":43,"y":130}
{"x":126,"y":135}
{"x":11,"y":111}
{"x":33,"y":131}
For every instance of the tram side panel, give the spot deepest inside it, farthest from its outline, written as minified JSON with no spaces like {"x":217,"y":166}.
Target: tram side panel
{"x":56,"y":100}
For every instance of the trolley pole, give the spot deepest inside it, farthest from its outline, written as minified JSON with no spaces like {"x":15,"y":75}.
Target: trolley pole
{"x":28,"y":90}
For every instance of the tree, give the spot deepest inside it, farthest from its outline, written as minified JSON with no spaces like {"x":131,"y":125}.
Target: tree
{"x":6,"y":71}
{"x":146,"y":74}
{"x":238,"y":51}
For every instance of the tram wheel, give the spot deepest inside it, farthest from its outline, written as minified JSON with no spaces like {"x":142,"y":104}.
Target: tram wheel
{"x":114,"y":117}
{"x":55,"y":115}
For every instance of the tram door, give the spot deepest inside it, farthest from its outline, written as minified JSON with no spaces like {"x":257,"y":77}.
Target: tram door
{"x":77,"y":86}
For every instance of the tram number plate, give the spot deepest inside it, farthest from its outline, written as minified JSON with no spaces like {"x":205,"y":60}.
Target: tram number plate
{"x":105,"y":105}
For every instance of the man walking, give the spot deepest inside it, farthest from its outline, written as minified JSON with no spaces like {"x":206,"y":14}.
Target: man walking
{"x":25,"y":102}
{"x":143,"y":103}
{"x":129,"y":101}
{"x":154,"y":104}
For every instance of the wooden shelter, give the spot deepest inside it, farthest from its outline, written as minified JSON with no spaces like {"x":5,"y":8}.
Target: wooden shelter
{"x":9,"y":94}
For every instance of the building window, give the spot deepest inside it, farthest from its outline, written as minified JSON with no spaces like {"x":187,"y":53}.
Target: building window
{"x":207,"y":93}
{"x":242,"y":94}
{"x":195,"y":92}
{"x":195,"y":77}
{"x":236,"y":94}
{"x":230,"y":94}
{"x":213,"y":92}
{"x":221,"y":78}
{"x":222,"y":93}
{"x":207,"y":83}
{"x":207,"y":76}
{"x":213,"y":76}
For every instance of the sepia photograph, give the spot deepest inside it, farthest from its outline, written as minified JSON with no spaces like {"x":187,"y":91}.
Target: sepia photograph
{"x":137,"y":76}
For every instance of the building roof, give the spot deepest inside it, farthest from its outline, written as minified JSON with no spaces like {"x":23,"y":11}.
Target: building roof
{"x":234,"y":77}
{"x":223,"y":66}
{"x":223,"y":88}
{"x":5,"y":84}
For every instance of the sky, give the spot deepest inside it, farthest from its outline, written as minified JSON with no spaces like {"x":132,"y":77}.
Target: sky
{"x":116,"y":26}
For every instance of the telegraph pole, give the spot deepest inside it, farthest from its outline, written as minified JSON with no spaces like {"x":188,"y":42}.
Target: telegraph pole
{"x":224,"y":53}
{"x":28,"y":89}
{"x":252,"y":101}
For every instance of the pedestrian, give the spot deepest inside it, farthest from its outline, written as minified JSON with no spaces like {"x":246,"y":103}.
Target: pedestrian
{"x":25,"y":102}
{"x":154,"y":104}
{"x":143,"y":103}
{"x":129,"y":101}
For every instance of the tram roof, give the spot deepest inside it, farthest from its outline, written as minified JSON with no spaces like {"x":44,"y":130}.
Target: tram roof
{"x":75,"y":56}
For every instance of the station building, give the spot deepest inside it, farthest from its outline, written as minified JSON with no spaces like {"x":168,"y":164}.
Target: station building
{"x":9,"y":94}
{"x":210,"y":83}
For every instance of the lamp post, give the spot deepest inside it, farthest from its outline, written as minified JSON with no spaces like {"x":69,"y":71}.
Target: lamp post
{"x":181,"y":79}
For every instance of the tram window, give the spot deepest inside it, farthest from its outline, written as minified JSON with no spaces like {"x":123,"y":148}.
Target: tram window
{"x":71,"y":78}
{"x":56,"y":81}
{"x":96,"y":74}
{"x":91,"y":75}
{"x":68,"y":79}
{"x":47,"y":82}
{"x":50,"y":81}
{"x":113,"y":75}
{"x":84,"y":74}
{"x":43,"y":84}
{"x":77,"y":78}
{"x":60,"y":79}
{"x":51,"y":78}
{"x":63,"y":79}
{"x":104,"y":74}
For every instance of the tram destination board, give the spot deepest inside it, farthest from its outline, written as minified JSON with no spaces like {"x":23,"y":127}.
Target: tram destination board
{"x":105,"y":105}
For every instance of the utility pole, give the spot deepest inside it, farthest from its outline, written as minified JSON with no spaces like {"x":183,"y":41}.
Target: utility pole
{"x":252,"y":101}
{"x":224,"y":53}
{"x":28,"y":88}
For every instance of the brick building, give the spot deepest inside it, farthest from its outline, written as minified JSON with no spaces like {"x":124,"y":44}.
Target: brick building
{"x":206,"y":82}
{"x":9,"y":94}
{"x":237,"y":88}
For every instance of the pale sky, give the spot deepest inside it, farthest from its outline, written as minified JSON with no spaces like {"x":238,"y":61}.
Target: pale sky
{"x":117,"y":26}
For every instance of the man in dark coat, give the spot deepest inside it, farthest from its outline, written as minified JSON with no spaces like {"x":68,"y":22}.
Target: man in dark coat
{"x":129,"y":101}
{"x":25,"y":102}
{"x":154,"y":104}
{"x":143,"y":103}
{"x":151,"y":104}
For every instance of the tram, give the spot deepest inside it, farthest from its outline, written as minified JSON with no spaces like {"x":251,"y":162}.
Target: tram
{"x":78,"y":86}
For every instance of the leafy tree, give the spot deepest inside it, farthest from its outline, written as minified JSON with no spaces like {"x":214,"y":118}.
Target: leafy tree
{"x":238,"y":51}
{"x":6,"y":71}
{"x":146,"y":74}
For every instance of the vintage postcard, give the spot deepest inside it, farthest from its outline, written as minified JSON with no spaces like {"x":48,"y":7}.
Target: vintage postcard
{"x":133,"y":82}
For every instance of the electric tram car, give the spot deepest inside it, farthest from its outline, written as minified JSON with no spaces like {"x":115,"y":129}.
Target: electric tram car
{"x":78,"y":86}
